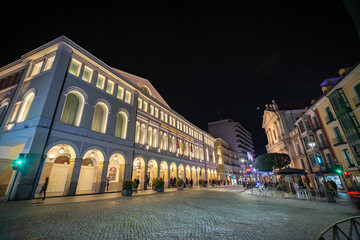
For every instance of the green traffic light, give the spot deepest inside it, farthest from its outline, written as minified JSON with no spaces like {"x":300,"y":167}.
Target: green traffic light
{"x":339,"y":171}
{"x":19,"y":162}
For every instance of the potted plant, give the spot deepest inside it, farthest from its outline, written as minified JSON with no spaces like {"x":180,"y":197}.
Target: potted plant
{"x":180,"y":184}
{"x":159,"y":185}
{"x":204,"y":183}
{"x":128,"y":186}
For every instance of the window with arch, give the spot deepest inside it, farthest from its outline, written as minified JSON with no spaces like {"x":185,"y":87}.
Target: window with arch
{"x":142,"y":134}
{"x":146,"y":90}
{"x":72,"y":110}
{"x":149,"y":136}
{"x":155,"y":138}
{"x":165,"y":142}
{"x":121,"y":125}
{"x":25,"y":106}
{"x":137,"y":132}
{"x":100,"y":118}
{"x":3,"y":109}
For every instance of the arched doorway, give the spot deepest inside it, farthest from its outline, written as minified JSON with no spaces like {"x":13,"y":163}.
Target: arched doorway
{"x":58,"y":168}
{"x":198,"y":176}
{"x":181,"y":171}
{"x":193,"y":175}
{"x":208,"y":175}
{"x":90,"y":172}
{"x":188,"y":172}
{"x":115,"y":173}
{"x":152,"y":172}
{"x":202,"y":175}
{"x":164,"y":172}
{"x":173,"y":170}
{"x":139,"y":171}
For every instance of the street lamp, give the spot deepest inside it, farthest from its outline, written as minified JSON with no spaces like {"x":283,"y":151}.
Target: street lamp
{"x":329,"y":194}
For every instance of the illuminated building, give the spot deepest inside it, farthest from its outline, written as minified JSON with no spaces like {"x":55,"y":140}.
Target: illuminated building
{"x":84,"y":124}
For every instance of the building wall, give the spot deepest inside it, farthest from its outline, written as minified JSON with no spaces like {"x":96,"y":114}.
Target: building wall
{"x":77,"y":159}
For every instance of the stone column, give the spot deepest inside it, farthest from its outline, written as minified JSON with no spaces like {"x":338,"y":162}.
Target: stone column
{"x":145,"y":176}
{"x":104,"y":176}
{"x":168,"y":176}
{"x":128,"y":167}
{"x":75,"y":176}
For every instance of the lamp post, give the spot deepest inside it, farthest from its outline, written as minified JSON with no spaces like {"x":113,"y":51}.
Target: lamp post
{"x":329,"y":195}
{"x":243,"y":169}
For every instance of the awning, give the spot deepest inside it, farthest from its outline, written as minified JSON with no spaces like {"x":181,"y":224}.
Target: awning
{"x":291,"y":171}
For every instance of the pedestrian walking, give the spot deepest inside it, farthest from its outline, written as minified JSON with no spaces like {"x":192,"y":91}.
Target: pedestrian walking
{"x":107,"y":183}
{"x":44,"y":187}
{"x":191,"y":183}
{"x":334,"y":186}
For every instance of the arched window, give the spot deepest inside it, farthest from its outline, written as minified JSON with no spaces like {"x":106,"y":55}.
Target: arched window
{"x":25,"y":107}
{"x":72,"y":111}
{"x":121,"y":125}
{"x":3,"y":108}
{"x":149,"y":136}
{"x":142,"y":134}
{"x":137,"y":132}
{"x":100,"y":118}
{"x":165,"y":141}
{"x":155,"y":138}
{"x":146,"y":90}
{"x":173,"y":145}
{"x":161,"y":142}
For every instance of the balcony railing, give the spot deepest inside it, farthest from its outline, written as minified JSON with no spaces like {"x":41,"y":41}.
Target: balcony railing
{"x":323,"y":145}
{"x":338,"y":141}
{"x":329,"y":120}
{"x":316,"y":127}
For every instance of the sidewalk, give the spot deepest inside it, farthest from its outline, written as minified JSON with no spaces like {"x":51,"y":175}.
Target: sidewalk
{"x":88,"y":197}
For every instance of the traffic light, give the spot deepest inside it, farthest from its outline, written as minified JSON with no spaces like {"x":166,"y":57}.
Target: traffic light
{"x":339,"y":171}
{"x":346,"y":173}
{"x":16,"y":165}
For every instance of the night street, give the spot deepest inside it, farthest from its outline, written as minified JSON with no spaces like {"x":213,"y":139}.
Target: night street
{"x":214,"y":213}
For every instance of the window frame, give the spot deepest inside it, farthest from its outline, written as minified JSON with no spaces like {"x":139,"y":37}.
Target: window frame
{"x":79,"y":69}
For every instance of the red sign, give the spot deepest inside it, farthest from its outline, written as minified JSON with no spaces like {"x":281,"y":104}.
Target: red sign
{"x":248,"y":170}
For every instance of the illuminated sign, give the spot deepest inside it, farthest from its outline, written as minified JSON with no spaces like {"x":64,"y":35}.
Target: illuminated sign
{"x":248,"y":170}
{"x":250,"y":156}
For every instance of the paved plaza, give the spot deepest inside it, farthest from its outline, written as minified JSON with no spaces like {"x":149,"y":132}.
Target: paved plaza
{"x":212,"y":213}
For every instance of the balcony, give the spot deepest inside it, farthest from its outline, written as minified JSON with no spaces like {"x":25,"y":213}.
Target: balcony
{"x":316,"y":127}
{"x":329,"y":119}
{"x":323,"y":146}
{"x":338,"y":141}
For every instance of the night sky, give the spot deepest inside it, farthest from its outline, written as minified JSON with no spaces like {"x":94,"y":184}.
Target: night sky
{"x":208,"y":61}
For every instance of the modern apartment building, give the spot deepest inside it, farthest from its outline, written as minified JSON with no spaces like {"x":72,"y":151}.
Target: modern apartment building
{"x":238,"y":138}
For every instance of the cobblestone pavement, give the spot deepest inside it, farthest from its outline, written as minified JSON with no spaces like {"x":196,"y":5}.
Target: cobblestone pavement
{"x":218,"y":213}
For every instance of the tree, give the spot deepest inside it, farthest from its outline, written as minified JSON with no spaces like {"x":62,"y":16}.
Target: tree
{"x":269,"y":161}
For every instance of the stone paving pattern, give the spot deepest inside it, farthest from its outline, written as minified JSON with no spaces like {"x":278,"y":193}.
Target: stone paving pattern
{"x":213,"y":213}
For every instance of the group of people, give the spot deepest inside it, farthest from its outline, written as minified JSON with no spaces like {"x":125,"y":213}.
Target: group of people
{"x":186,"y":182}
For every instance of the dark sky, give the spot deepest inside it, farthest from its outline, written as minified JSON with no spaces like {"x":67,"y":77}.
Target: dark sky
{"x":207,"y":60}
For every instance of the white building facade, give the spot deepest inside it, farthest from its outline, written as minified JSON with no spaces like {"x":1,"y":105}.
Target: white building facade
{"x":74,"y":119}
